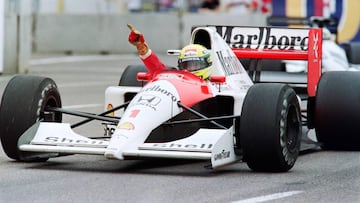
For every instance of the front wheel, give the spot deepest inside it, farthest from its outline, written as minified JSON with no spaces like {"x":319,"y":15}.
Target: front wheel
{"x":23,"y":103}
{"x":270,"y":128}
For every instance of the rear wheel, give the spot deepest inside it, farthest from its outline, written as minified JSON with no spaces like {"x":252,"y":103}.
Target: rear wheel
{"x":23,"y":103}
{"x":270,"y":128}
{"x":337,"y":111}
{"x":128,"y":77}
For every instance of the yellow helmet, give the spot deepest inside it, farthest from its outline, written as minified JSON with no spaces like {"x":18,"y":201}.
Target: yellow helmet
{"x":196,"y":59}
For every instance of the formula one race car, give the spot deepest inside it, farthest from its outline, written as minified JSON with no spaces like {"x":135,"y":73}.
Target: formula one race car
{"x":174,"y":114}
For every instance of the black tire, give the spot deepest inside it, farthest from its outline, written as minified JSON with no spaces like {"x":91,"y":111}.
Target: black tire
{"x":337,"y":111}
{"x":22,"y":104}
{"x":352,"y":50}
{"x":270,"y":128}
{"x":128,"y":77}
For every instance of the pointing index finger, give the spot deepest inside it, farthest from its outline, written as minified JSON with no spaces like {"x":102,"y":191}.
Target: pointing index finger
{"x":131,"y":27}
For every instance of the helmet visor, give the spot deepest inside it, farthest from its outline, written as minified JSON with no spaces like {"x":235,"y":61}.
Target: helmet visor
{"x":193,"y":64}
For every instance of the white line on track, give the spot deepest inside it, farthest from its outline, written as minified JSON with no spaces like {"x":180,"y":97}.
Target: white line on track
{"x":69,"y":59}
{"x":82,"y":106}
{"x":84,"y":84}
{"x":269,"y":197}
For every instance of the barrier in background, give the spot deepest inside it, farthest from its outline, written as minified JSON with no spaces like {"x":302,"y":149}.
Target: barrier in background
{"x":103,"y":33}
{"x":2,"y":20}
{"x":10,"y":44}
{"x":17,"y":43}
{"x":93,"y":34}
{"x":108,"y":33}
{"x":17,"y":36}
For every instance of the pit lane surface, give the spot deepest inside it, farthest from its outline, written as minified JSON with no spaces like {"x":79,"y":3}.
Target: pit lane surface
{"x":318,"y":176}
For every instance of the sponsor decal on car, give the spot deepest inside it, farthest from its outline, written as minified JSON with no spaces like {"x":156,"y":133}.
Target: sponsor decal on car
{"x":264,"y":37}
{"x":157,"y":88}
{"x":222,"y":155}
{"x":109,"y":129}
{"x":69,"y":141}
{"x":316,"y":45}
{"x":182,"y":146}
{"x":134,"y":113}
{"x":230,"y":63}
{"x":126,"y":126}
{"x":148,"y":100}
{"x":109,"y":107}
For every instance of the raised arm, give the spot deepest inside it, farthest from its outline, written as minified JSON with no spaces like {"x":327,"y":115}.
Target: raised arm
{"x":150,"y":59}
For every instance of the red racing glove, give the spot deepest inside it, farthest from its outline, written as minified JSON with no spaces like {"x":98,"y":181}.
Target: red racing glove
{"x":137,"y":39}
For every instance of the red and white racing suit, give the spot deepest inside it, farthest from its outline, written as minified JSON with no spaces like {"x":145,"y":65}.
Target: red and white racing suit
{"x":152,"y":62}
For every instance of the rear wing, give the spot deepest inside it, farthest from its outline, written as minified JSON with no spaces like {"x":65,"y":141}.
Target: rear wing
{"x":278,"y":43}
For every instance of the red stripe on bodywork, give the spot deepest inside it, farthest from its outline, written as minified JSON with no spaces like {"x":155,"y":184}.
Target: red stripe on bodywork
{"x":191,"y":88}
{"x":314,"y":60}
{"x":313,"y":55}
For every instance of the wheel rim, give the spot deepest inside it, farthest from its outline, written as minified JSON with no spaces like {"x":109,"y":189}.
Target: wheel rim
{"x":50,"y":116}
{"x":292,"y":129}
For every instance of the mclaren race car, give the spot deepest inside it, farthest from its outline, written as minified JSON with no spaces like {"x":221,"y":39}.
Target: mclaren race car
{"x":233,"y":116}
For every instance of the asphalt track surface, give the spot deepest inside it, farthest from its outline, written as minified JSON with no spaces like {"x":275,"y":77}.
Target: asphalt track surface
{"x":318,"y":176}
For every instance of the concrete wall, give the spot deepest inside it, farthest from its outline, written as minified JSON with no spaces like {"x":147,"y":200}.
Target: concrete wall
{"x":80,"y":6}
{"x":108,"y":33}
{"x":102,"y":33}
{"x":26,"y":34}
{"x":17,"y":43}
{"x":17,"y":36}
{"x":10,"y":43}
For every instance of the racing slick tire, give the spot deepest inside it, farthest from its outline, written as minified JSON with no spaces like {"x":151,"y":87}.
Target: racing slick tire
{"x":270,"y":128}
{"x":337,"y":111}
{"x":128,"y":77}
{"x":23,"y":103}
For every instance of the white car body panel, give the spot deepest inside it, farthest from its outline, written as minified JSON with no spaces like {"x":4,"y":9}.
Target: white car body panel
{"x":206,"y":144}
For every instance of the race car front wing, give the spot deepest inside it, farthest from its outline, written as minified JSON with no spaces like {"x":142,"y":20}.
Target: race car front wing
{"x":216,"y":145}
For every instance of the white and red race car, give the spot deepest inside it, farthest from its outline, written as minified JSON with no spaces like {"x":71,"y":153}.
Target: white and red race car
{"x":174,"y":114}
